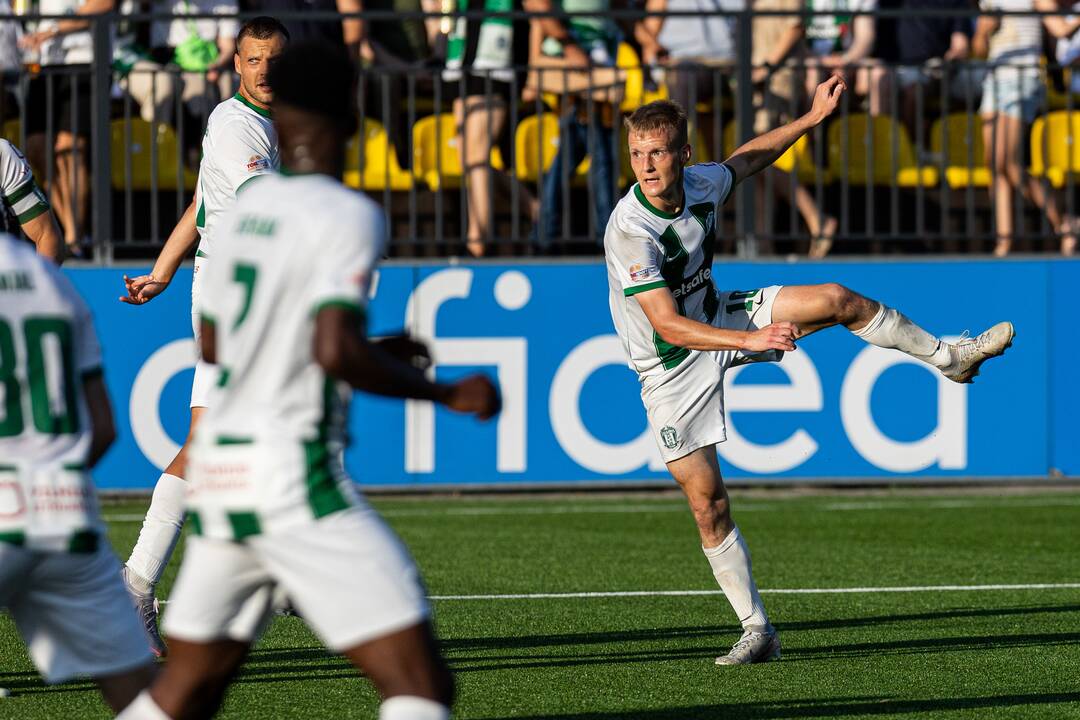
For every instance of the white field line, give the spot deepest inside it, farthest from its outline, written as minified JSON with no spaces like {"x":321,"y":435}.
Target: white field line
{"x":770,"y":591}
{"x":679,"y":506}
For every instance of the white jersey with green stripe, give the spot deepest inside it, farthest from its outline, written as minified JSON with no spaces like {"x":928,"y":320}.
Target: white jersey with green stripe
{"x":47,"y":349}
{"x":240,"y":143}
{"x":22,"y":197}
{"x":265,"y":450}
{"x":647,"y":248}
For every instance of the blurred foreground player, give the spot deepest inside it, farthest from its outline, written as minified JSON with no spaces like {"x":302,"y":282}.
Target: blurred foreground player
{"x":58,"y":575}
{"x":680,"y":334}
{"x":283,"y":318}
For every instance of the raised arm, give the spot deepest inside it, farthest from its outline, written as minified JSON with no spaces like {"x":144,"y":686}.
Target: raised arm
{"x":762,"y":151}
{"x":145,"y":288}
{"x":675,"y":329}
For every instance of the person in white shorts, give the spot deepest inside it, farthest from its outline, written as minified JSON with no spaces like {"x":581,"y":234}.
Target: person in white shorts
{"x":240,"y":145}
{"x":58,"y":576}
{"x":25,"y":206}
{"x":680,"y":334}
{"x":270,"y":507}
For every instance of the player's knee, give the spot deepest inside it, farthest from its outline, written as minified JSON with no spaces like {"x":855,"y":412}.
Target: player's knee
{"x":842,"y":302}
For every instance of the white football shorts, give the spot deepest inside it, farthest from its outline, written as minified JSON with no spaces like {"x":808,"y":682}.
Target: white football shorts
{"x":347,"y":574}
{"x":206,"y":375}
{"x":72,"y":611}
{"x":685,"y":405}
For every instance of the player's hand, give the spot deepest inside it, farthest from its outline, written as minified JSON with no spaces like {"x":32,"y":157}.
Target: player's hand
{"x":475,"y":395}
{"x":407,"y":350}
{"x":827,"y":97}
{"x":142,"y":289}
{"x":778,"y":336}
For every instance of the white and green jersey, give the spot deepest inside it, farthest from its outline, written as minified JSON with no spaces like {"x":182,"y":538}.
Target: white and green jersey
{"x":47,"y":348}
{"x":291,"y":246}
{"x":647,"y":248}
{"x":22,"y":198}
{"x":240,"y":143}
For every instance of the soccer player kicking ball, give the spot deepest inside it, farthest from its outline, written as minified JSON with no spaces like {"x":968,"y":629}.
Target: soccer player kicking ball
{"x":240,"y":145}
{"x":680,"y":334}
{"x":58,"y":575}
{"x":282,"y":313}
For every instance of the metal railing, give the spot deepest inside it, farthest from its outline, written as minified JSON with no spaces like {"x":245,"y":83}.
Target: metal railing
{"x":911,"y":178}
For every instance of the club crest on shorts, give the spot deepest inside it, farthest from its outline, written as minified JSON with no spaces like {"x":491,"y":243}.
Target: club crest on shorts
{"x":669,"y":437}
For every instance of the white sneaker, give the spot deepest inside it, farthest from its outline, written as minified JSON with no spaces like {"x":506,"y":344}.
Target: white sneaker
{"x":969,"y":354}
{"x":753,"y":647}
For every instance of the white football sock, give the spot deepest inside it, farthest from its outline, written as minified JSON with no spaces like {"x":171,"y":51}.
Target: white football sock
{"x":730,"y":562}
{"x":160,"y":531}
{"x":410,"y":707}
{"x":143,"y":707}
{"x":890,"y":328}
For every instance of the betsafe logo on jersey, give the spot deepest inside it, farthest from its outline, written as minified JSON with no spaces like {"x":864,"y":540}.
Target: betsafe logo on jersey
{"x":836,"y":408}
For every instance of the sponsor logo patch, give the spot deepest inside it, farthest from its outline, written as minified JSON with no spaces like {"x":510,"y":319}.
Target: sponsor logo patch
{"x":640,"y":271}
{"x":258,"y":162}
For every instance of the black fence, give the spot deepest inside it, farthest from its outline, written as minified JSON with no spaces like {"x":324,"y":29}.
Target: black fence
{"x":541,"y":155}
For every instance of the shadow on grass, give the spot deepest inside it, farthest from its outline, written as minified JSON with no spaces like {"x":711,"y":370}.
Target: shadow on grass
{"x":822,"y":708}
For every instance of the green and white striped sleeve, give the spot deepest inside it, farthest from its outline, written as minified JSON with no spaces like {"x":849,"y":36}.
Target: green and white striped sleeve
{"x":17,"y":185}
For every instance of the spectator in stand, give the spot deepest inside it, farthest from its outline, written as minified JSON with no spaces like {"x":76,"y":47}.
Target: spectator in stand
{"x":918,"y":50}
{"x":586,"y":125}
{"x":11,"y":61}
{"x":189,"y":57}
{"x":1067,"y":51}
{"x":776,"y":40}
{"x":64,"y":49}
{"x":482,"y":70}
{"x":698,"y":49}
{"x":1013,"y":93}
{"x":844,"y":42}
{"x":346,"y":33}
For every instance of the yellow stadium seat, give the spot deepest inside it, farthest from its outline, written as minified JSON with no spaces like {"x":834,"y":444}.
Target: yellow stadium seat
{"x":380,"y":164}
{"x":860,"y":131}
{"x":964,"y":156}
{"x":635,"y":95}
{"x":137,"y":140}
{"x":1055,"y":146}
{"x":543,"y":131}
{"x":436,"y":157}
{"x":11,"y":131}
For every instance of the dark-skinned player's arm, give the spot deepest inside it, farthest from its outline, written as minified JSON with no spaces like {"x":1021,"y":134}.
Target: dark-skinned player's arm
{"x":761,"y":152}
{"x":342,"y":349}
{"x":675,"y":329}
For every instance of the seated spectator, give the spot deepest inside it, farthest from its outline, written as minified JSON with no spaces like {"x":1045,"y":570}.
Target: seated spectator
{"x":918,"y":51}
{"x":65,"y":51}
{"x":482,"y":70}
{"x":586,"y":125}
{"x":776,"y":39}
{"x":1067,"y":53}
{"x":1013,"y":93}
{"x":844,"y":42}
{"x":699,"y":49}
{"x":11,"y":61}
{"x":190,"y":57}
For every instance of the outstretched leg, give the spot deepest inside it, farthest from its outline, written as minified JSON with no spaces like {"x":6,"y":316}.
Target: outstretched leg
{"x":699,"y":476}
{"x":815,"y":307}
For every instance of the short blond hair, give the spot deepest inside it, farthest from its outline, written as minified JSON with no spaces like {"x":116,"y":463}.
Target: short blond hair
{"x":660,"y":115}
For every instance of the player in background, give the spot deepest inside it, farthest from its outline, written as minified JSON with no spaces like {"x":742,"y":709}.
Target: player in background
{"x":240,"y":145}
{"x":25,"y":205}
{"x":58,"y":576}
{"x":270,"y":507}
{"x":680,"y":334}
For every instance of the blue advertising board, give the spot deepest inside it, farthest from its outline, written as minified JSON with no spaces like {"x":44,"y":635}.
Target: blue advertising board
{"x":835,"y":410}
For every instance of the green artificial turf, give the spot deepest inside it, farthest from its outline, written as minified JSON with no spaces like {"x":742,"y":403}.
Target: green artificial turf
{"x":958,"y":654}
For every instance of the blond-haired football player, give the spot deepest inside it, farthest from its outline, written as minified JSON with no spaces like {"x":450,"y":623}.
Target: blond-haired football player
{"x":680,"y":334}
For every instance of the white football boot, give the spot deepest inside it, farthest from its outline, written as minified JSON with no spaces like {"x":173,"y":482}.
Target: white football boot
{"x":753,"y":647}
{"x":968,"y":354}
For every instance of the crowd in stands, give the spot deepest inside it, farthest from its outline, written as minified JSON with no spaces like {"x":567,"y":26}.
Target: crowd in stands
{"x":909,"y":68}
